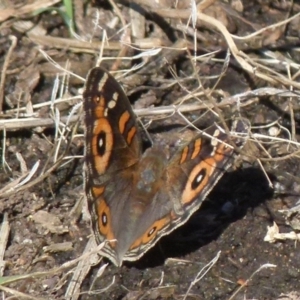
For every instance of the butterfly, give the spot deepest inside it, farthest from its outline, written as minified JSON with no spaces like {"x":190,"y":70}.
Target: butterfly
{"x":137,"y":197}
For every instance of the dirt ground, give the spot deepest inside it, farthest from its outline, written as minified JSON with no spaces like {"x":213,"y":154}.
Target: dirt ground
{"x":175,"y":61}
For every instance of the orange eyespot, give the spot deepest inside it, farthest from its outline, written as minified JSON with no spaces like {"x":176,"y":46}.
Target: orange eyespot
{"x":104,"y":219}
{"x":150,"y":234}
{"x":198,"y":179}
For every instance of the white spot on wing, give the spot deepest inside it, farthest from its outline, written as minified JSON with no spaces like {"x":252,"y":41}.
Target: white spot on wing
{"x":111,"y":104}
{"x":115,"y":96}
{"x":214,"y":142}
{"x":151,"y":231}
{"x":102,"y":82}
{"x":100,"y":143}
{"x":199,"y":178}
{"x":104,"y":219}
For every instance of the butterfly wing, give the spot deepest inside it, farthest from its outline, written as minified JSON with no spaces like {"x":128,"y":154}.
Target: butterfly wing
{"x":112,"y":153}
{"x":111,"y":136}
{"x":199,"y":165}
{"x":187,"y":180}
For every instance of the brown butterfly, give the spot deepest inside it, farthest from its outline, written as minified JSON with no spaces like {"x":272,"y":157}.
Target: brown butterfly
{"x":136,"y":198}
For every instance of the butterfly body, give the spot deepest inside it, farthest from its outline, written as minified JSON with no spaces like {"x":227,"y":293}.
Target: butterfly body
{"x":136,"y":198}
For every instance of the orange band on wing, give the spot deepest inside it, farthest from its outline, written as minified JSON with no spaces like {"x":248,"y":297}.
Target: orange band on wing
{"x":100,"y":106}
{"x":97,"y":191}
{"x":123,"y":120}
{"x":197,"y":148}
{"x":184,"y":154}
{"x":131,"y":135}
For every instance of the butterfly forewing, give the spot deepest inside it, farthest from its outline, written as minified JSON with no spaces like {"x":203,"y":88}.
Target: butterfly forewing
{"x":112,"y":138}
{"x":112,"y":144}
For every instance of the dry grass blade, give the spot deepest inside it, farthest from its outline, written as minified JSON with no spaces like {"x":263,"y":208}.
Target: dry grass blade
{"x":265,"y":266}
{"x":20,"y":123}
{"x":4,"y":69}
{"x":16,"y":185}
{"x":25,"y":9}
{"x":202,"y":273}
{"x":19,"y":295}
{"x":4,"y":233}
{"x":81,"y":271}
{"x":74,"y":45}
